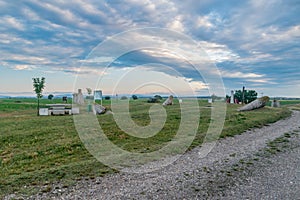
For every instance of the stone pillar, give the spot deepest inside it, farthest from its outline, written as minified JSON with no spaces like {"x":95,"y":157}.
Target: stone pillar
{"x":232,"y":97}
{"x":169,"y":101}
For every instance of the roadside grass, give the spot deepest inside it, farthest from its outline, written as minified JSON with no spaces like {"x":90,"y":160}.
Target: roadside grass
{"x":294,"y":106}
{"x":38,"y":151}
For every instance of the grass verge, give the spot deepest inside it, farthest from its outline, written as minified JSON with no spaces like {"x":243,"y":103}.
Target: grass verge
{"x":35,"y":151}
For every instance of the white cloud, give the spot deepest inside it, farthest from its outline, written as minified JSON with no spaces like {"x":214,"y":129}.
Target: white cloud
{"x":231,"y":74}
{"x":12,"y":22}
{"x":267,"y":80}
{"x":176,"y":24}
{"x":274,"y":34}
{"x":83,"y":71}
{"x":204,"y":21}
{"x":24,"y":67}
{"x":218,"y":52}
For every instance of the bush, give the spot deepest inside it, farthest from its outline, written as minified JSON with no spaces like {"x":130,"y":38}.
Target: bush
{"x":124,"y":98}
{"x":107,"y":97}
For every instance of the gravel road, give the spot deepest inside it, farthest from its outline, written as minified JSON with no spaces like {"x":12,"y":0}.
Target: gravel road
{"x":240,"y":167}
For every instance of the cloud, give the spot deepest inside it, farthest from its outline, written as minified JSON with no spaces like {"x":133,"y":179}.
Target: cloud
{"x":227,"y":74}
{"x":252,"y":41}
{"x":24,"y":67}
{"x":11,"y":22}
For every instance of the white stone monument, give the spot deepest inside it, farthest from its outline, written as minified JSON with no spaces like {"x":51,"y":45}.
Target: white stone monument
{"x":43,"y":111}
{"x":275,"y":104}
{"x":232,"y":97}
{"x":78,"y":98}
{"x":169,"y":101}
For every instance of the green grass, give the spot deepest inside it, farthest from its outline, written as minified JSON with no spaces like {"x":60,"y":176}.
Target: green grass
{"x":35,"y":151}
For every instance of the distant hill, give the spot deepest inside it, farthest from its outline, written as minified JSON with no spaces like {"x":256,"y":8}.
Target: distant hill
{"x":4,"y":97}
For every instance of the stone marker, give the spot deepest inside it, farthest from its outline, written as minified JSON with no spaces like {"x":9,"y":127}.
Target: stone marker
{"x":169,"y":101}
{"x":98,"y":109}
{"x":78,"y":98}
{"x":258,"y":103}
{"x":232,"y":97}
{"x":43,"y":111}
{"x":275,"y":104}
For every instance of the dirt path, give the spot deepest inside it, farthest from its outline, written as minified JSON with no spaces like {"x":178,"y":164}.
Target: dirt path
{"x":242,"y":167}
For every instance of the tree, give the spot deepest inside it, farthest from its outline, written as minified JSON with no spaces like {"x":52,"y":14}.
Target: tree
{"x":134,"y":97}
{"x":38,"y":85}
{"x":158,"y":97}
{"x":50,"y":96}
{"x":107,"y":97}
{"x":249,"y":95}
{"x":89,"y":91}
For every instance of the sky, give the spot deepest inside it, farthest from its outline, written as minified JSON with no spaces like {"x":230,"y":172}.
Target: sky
{"x":151,"y":46}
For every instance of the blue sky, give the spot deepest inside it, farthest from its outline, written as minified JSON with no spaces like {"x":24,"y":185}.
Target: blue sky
{"x":252,"y":43}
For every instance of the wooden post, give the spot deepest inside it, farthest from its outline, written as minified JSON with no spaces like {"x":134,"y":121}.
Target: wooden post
{"x":243,"y":95}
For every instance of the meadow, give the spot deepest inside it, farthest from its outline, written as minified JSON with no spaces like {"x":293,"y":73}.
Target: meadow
{"x":36,"y":151}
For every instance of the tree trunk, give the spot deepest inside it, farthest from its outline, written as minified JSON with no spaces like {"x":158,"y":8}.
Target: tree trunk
{"x":38,"y":107}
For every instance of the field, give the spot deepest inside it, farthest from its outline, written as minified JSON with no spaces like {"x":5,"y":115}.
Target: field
{"x":37,"y":151}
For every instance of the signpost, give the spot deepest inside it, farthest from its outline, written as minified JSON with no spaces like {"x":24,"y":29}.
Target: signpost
{"x":98,"y":95}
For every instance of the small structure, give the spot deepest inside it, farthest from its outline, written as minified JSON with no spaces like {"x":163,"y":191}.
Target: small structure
{"x":258,"y":103}
{"x":169,"y":101}
{"x":78,"y":98}
{"x":58,"y":109}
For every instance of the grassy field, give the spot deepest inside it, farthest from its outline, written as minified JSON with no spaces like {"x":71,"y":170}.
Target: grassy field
{"x":37,"y":151}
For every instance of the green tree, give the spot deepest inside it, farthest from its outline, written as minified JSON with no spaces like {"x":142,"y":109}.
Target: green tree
{"x":50,"y":96}
{"x":250,"y":95}
{"x":158,"y":97}
{"x":38,"y":85}
{"x":134,"y":97}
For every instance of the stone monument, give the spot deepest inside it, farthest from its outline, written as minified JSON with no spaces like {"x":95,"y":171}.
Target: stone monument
{"x":258,"y":103}
{"x":78,"y":98}
{"x":232,"y":97}
{"x":98,"y":109}
{"x":275,"y":104}
{"x":169,"y":101}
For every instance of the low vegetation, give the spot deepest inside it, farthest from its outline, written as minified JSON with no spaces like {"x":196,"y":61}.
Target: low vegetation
{"x":39,"y":150}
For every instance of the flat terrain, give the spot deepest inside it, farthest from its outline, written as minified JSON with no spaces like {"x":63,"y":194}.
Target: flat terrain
{"x":44,"y":154}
